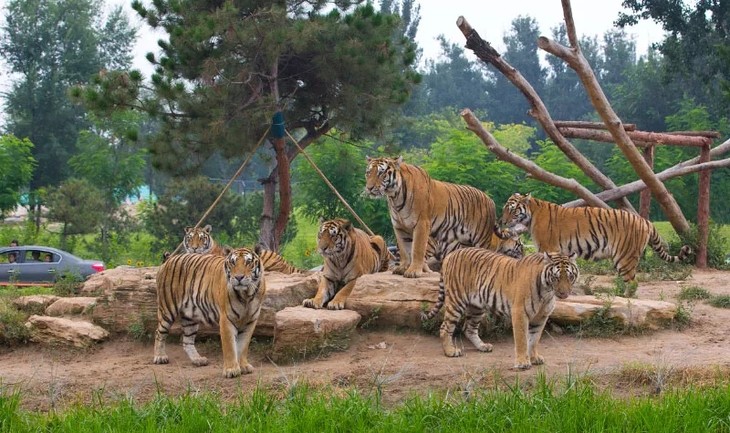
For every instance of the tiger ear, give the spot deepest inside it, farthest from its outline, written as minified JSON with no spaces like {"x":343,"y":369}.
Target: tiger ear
{"x":347,"y":225}
{"x":207,"y":228}
{"x":368,"y":158}
{"x":188,"y":228}
{"x":321,"y":220}
{"x":258,"y":249}
{"x":573,"y":257}
{"x":399,"y":161}
{"x":547,"y":257}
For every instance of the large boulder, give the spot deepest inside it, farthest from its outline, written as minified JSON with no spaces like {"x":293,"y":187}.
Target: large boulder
{"x":71,"y":306}
{"x":62,"y":331}
{"x":283,"y":291}
{"x":305,"y":332}
{"x":627,"y":312}
{"x":127,"y":298}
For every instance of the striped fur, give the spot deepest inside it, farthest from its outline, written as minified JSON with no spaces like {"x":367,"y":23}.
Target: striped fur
{"x":421,"y":207}
{"x":510,"y":246}
{"x":475,"y":280}
{"x":591,"y":233}
{"x":348,"y":253}
{"x":213,"y":290}
{"x":199,"y":240}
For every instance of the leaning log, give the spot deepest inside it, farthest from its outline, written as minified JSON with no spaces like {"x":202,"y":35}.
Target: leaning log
{"x":504,"y":154}
{"x":575,"y":59}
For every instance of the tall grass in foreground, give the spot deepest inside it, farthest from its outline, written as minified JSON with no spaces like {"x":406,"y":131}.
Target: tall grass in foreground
{"x":575,"y":408}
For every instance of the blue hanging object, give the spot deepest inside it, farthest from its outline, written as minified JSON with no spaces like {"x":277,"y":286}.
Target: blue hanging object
{"x":277,"y":125}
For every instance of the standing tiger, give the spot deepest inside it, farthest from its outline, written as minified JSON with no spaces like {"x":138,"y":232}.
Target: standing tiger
{"x":210,"y":289}
{"x":591,"y":233}
{"x":421,"y":207}
{"x":199,"y":240}
{"x":474,"y":280}
{"x":348,"y":253}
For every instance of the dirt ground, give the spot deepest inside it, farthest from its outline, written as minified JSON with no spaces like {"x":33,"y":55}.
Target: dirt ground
{"x":408,"y":362}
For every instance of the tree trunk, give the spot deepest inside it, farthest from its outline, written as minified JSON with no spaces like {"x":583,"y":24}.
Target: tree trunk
{"x":284,"y":175}
{"x":575,"y":59}
{"x":267,"y":237}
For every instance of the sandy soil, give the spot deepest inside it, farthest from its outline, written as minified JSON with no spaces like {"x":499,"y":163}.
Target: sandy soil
{"x":411,"y":362}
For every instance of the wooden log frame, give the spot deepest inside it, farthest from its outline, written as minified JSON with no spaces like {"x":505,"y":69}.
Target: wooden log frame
{"x":575,"y":59}
{"x":640,"y":138}
{"x":484,"y":51}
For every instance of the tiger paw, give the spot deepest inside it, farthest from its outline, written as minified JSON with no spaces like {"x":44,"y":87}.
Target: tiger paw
{"x":537,"y":360}
{"x":246,"y":368}
{"x":336,"y":305}
{"x":162,"y":359}
{"x":412,"y":273}
{"x":232,"y":372}
{"x":399,"y":270}
{"x":312,"y":303}
{"x":485,"y":347}
{"x":521,"y":366}
{"x":200,"y":361}
{"x":452,"y":352}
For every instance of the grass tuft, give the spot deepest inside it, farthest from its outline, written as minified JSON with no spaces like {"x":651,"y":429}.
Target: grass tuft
{"x":720,"y":301}
{"x":693,"y":293}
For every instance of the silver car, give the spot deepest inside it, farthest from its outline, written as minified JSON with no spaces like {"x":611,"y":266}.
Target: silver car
{"x":34,"y":265}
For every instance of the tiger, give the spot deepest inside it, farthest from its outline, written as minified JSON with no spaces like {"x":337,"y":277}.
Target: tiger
{"x":474,"y":280}
{"x":199,"y":240}
{"x":348,"y":253}
{"x":421,"y":207}
{"x":211,"y":289}
{"x":591,"y":233}
{"x":510,"y":246}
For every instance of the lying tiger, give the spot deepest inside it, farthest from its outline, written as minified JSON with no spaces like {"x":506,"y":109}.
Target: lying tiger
{"x":475,"y":280}
{"x":348,"y":253}
{"x":510,"y":246}
{"x":421,"y":207}
{"x":199,"y":240}
{"x":589,"y":232}
{"x":215,"y":290}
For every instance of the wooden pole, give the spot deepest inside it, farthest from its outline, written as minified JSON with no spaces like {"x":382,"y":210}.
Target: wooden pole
{"x":589,"y":125}
{"x":645,"y":137}
{"x":645,"y":195}
{"x":703,"y":210}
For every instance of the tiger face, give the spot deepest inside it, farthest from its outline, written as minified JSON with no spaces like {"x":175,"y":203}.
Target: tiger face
{"x":560,"y":273}
{"x":243,"y":271}
{"x":382,"y":176}
{"x":198,"y":240}
{"x":512,"y":247}
{"x":516,"y":215}
{"x":332,"y":237}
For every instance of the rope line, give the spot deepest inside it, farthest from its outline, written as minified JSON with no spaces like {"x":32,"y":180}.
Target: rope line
{"x":329,"y":184}
{"x":228,"y":185}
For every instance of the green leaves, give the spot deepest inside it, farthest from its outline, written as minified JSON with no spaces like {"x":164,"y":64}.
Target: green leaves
{"x":16,"y":170}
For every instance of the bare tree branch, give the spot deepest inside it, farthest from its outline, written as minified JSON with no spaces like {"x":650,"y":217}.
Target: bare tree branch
{"x":573,"y":57}
{"x":489,"y":55}
{"x":504,"y":154}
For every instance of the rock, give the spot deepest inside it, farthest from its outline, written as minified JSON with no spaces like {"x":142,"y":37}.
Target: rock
{"x":385,"y":299}
{"x":71,"y":306}
{"x":34,"y":303}
{"x":637,"y":313}
{"x":127,"y":298}
{"x":283,"y":291}
{"x":305,"y":332}
{"x":59,"y":330}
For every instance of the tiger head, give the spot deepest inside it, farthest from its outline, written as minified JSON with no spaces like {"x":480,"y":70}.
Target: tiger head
{"x":516,"y":215}
{"x":512,"y":247}
{"x":333,"y":236}
{"x":560,"y":273}
{"x":244,"y":271}
{"x":382,"y":176}
{"x":198,"y":240}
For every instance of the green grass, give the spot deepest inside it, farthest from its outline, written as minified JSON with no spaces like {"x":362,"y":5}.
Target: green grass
{"x":578,"y":407}
{"x":720,"y":301}
{"x":302,"y":250}
{"x":693,"y":293}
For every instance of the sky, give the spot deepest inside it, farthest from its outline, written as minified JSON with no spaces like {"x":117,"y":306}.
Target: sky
{"x":492,"y":19}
